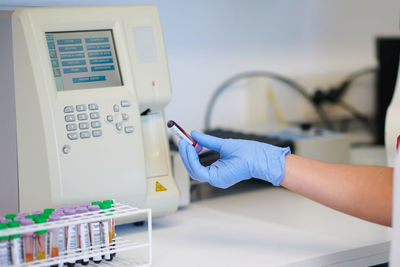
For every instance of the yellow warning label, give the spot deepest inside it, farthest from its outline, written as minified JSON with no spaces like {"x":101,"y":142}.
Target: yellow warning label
{"x":160,"y":187}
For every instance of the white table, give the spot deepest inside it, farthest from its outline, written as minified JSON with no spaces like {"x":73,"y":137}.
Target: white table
{"x":266,"y":227}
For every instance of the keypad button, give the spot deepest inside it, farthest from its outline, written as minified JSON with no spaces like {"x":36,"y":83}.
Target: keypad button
{"x":72,"y":136}
{"x":96,"y":133}
{"x":96,"y":124}
{"x":125,"y":116}
{"x":94,"y":115}
{"x":68,"y":109}
{"x":125,"y":103}
{"x":80,"y":108}
{"x":129,"y":129}
{"x":85,"y":134}
{"x":116,"y":108}
{"x":71,"y":127}
{"x":93,"y":106}
{"x":66,"y":149}
{"x":83,"y":125}
{"x":110,"y":118}
{"x":82,"y":116}
{"x":118,"y":126}
{"x":69,"y":118}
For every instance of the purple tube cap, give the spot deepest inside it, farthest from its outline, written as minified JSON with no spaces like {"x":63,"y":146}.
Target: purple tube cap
{"x":93,"y":208}
{"x":4,"y":220}
{"x":54,"y":218}
{"x":37,"y":212}
{"x":26,"y":222}
{"x":198,"y":148}
{"x":69,"y":211}
{"x":81,"y":210}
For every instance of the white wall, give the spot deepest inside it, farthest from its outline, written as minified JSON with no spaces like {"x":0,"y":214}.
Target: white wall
{"x":208,"y":41}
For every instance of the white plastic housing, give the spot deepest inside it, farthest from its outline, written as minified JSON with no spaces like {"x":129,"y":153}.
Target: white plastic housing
{"x":116,"y":165}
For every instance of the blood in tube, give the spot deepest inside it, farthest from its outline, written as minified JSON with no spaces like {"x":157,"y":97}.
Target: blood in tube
{"x":182,"y":134}
{"x":28,"y":241}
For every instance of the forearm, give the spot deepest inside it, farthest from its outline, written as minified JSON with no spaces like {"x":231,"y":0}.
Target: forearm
{"x":361,"y":191}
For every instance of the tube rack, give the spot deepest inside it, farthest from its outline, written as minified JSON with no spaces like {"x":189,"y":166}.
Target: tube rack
{"x":117,"y":210}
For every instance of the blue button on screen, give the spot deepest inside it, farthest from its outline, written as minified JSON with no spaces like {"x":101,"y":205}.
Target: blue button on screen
{"x":73,"y":62}
{"x":96,"y":40}
{"x":103,"y":68}
{"x":70,"y":48}
{"x":100,"y":54}
{"x":72,"y":55}
{"x":88,"y":79}
{"x":98,"y":47}
{"x":69,"y":41}
{"x":101,"y":61}
{"x":74,"y":70}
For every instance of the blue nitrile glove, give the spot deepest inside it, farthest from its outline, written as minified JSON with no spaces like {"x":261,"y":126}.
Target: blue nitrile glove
{"x":240,"y":160}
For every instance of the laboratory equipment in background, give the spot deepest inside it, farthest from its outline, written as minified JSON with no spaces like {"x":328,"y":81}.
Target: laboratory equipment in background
{"x":91,"y":84}
{"x":305,"y":140}
{"x":392,"y":125}
{"x":388,"y":53}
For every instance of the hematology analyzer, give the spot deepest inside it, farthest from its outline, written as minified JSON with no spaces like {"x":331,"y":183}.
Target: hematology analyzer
{"x":91,"y":84}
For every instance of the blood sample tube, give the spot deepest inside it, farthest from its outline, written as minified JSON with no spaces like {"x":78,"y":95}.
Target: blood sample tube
{"x":54,"y":239}
{"x":182,"y":134}
{"x":113,"y":235}
{"x":4,"y":247}
{"x":95,"y":233}
{"x":16,"y":244}
{"x":60,"y":231}
{"x":41,"y":240}
{"x":72,"y":235}
{"x":28,"y":241}
{"x":83,"y":236}
{"x":106,"y":233}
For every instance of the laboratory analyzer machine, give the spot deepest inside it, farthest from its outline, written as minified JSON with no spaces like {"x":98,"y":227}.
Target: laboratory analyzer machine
{"x":91,"y":84}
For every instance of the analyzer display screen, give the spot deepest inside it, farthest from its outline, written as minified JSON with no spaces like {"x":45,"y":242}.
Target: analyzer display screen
{"x":83,"y":59}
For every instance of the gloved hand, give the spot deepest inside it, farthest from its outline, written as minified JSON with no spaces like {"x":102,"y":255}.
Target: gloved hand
{"x":240,"y":160}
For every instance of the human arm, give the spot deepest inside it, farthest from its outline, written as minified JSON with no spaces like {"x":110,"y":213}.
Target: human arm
{"x":361,"y":191}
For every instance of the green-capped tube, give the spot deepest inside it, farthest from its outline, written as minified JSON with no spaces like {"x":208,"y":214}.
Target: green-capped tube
{"x":4,"y":247}
{"x":17,"y":256}
{"x":10,"y":216}
{"x":41,"y":240}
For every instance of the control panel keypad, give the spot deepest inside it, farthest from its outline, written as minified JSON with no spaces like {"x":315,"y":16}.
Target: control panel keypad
{"x":87,"y":121}
{"x":119,"y":117}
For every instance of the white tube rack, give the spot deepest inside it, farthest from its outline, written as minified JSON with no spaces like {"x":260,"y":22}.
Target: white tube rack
{"x":117,"y":210}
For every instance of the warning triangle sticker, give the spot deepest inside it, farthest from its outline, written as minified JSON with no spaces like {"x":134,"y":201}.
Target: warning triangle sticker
{"x":160,"y":187}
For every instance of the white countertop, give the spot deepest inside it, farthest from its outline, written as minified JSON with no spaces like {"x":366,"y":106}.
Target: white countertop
{"x":266,"y":227}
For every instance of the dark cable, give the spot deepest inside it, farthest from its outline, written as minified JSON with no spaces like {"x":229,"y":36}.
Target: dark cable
{"x":343,"y":87}
{"x":359,"y":116}
{"x":267,"y":74}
